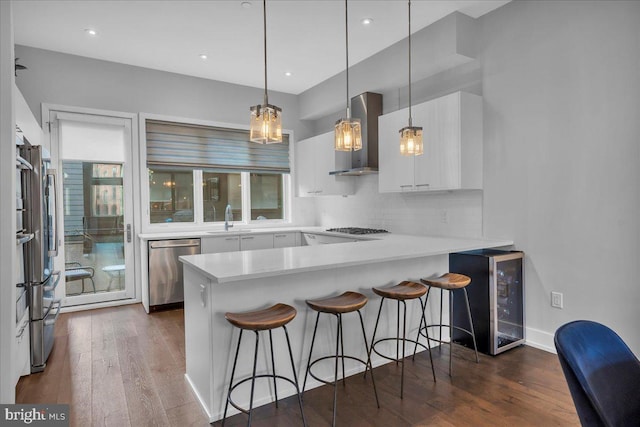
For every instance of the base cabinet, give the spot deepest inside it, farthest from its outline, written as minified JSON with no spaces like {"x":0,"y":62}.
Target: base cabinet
{"x":259,"y":241}
{"x":286,"y":240}
{"x":212,"y":245}
{"x":452,"y":138}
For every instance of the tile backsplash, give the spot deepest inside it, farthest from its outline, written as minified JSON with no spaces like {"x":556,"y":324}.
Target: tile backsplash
{"x":456,"y":213}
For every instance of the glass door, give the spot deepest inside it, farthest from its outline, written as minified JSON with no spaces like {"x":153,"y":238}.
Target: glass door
{"x":94,"y":156}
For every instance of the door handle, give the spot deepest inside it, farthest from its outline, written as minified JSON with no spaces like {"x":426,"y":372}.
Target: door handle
{"x":128,"y":233}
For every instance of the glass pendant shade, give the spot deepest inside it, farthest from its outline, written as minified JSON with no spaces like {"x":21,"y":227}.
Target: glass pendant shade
{"x":410,"y":136}
{"x":411,"y":141}
{"x":266,"y":124}
{"x":348,"y":135}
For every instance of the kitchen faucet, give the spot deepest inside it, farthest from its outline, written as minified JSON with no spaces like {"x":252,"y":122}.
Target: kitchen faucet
{"x":228,"y":216}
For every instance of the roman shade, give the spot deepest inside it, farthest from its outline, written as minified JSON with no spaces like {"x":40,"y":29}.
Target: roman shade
{"x":179,"y":144}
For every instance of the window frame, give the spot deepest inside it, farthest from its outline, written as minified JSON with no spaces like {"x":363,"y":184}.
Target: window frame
{"x":198,"y":209}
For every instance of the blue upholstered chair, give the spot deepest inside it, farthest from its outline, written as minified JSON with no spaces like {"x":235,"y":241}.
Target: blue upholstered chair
{"x":602,"y":373}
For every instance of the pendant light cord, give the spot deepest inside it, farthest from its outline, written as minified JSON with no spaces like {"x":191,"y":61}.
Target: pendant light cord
{"x":410,"y":119}
{"x":346,"y":33}
{"x":264,"y":16}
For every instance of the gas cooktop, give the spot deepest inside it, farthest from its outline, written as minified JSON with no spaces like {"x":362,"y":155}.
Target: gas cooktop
{"x":357,"y":230}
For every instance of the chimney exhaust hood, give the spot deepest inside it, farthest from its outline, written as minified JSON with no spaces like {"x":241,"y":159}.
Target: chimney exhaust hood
{"x":366,"y":107}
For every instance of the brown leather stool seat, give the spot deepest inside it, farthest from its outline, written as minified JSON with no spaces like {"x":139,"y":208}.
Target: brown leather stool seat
{"x":401,"y":292}
{"x":451,"y":282}
{"x":266,"y":319}
{"x":347,"y":302}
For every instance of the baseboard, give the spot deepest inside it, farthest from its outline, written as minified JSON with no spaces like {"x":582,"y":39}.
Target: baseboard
{"x":540,"y":339}
{"x":202,"y":403}
{"x":92,"y":306}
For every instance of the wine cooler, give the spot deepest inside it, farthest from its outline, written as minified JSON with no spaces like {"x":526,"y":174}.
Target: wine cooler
{"x":496,"y":297}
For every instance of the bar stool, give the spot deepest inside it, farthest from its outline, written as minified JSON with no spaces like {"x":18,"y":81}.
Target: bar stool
{"x":262,"y":320}
{"x":348,"y":302}
{"x":401,"y":292}
{"x":451,"y":282}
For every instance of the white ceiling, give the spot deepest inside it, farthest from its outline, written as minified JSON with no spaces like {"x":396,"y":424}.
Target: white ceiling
{"x":305,"y":37}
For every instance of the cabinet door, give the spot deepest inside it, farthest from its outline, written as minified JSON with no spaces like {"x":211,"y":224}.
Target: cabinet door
{"x":326,"y":160}
{"x":284,"y":240}
{"x":452,"y":137}
{"x":396,"y":170}
{"x":305,"y":168}
{"x":212,"y":245}
{"x":438,"y":168}
{"x":258,"y":241}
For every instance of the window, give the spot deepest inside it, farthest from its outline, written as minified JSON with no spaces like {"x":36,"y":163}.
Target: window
{"x":170,"y":195}
{"x":196,"y":171}
{"x":220,"y":189}
{"x":267,"y":196}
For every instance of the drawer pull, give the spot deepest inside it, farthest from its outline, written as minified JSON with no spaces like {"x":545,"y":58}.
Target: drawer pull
{"x":231,"y":238}
{"x":422,"y":185}
{"x":247,"y":238}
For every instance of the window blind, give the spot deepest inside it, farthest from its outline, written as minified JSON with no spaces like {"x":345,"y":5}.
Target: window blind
{"x":179,"y":144}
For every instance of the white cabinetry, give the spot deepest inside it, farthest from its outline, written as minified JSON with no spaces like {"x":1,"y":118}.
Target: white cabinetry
{"x":286,"y":240}
{"x":26,"y":122}
{"x":212,"y":245}
{"x":315,"y":158}
{"x":258,"y":241}
{"x":452,"y":135}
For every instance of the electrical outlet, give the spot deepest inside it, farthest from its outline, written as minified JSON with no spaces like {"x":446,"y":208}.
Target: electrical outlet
{"x":556,"y":300}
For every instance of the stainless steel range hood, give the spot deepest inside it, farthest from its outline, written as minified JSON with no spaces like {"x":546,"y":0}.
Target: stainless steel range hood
{"x":366,"y":107}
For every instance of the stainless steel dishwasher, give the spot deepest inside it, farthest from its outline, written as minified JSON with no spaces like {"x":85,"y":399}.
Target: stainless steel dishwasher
{"x":166,"y":287}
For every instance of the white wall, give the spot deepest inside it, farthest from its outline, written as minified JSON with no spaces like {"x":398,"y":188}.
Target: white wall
{"x":60,"y":78}
{"x":7,"y":208}
{"x":561,"y":94}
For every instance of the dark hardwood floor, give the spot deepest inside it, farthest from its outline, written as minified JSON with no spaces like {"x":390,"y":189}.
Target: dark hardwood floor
{"x":122,"y":367}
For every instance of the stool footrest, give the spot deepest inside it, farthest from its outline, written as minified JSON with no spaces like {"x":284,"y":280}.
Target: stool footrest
{"x":241,"y":409}
{"x":398,"y":359}
{"x":442,"y":326}
{"x":340,"y":356}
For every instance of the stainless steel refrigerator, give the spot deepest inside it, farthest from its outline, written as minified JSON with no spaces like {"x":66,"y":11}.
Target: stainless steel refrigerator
{"x":39,"y":193}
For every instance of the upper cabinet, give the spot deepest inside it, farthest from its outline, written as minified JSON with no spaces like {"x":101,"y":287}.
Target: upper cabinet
{"x":452,"y":137}
{"x":315,"y":158}
{"x":26,"y":122}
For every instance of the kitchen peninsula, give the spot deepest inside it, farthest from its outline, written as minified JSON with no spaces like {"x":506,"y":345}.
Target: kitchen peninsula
{"x":249,"y":280}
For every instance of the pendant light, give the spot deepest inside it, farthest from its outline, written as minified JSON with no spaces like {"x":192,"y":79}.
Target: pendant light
{"x":266,"y":119}
{"x":410,"y":136}
{"x":348,"y":131}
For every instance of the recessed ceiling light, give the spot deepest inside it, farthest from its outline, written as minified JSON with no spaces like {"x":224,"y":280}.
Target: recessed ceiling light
{"x":202,"y":56}
{"x":246,"y":4}
{"x":91,"y":31}
{"x":367,"y":21}
{"x":287,"y":73}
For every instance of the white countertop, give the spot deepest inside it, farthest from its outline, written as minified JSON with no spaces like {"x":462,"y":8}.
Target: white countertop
{"x":235,"y":266}
{"x":235,"y":231}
